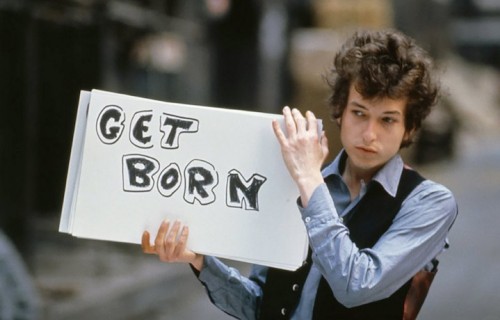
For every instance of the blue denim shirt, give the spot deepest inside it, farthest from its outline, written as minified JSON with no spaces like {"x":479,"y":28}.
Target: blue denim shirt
{"x":418,"y":234}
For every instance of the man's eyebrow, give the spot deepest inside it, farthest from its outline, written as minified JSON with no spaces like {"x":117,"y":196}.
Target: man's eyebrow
{"x":359,"y":105}
{"x":389,"y":112}
{"x":393,"y":112}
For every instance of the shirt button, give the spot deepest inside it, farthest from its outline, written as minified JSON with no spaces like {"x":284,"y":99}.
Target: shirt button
{"x":283,"y":311}
{"x":341,"y":219}
{"x":308,"y":219}
{"x":295,"y":287}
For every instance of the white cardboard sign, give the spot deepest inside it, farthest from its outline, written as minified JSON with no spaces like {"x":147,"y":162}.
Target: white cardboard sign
{"x":135,"y":162}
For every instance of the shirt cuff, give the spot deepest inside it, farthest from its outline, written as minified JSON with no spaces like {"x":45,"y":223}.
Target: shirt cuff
{"x":320,"y":207}
{"x":195,"y":271}
{"x":213,"y":273}
{"x":320,"y":215}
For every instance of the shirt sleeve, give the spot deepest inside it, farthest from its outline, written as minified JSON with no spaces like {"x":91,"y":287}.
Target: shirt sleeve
{"x":231,"y":292}
{"x":359,"y":276}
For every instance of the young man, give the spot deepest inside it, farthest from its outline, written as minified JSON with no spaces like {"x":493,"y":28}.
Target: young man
{"x":373,"y":224}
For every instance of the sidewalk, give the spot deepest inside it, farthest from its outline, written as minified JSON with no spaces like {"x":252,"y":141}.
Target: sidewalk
{"x":85,"y":279}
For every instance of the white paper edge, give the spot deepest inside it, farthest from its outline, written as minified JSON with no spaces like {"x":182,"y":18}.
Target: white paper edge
{"x":284,"y":266}
{"x":74,"y":163}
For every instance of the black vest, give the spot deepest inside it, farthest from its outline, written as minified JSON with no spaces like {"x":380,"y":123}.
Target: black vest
{"x":370,"y":218}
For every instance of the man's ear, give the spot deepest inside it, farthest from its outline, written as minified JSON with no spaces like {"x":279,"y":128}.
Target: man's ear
{"x":338,"y":120}
{"x":408,"y":136}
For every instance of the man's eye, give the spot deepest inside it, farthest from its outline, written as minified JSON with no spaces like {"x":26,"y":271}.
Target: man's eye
{"x":389,"y":120}
{"x":358,"y":113}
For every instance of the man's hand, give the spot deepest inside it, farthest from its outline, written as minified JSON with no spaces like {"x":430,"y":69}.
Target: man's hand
{"x":303,"y":150}
{"x":170,"y":245}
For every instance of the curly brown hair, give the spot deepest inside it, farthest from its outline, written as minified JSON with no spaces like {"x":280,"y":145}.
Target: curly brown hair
{"x":384,"y":64}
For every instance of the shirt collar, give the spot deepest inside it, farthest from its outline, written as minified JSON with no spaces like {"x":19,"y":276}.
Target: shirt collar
{"x":388,"y":176}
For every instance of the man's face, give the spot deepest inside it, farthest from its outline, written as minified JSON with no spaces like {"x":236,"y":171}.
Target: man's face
{"x":371,"y":131}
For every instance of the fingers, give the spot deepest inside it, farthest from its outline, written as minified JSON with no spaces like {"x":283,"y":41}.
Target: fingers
{"x":296,"y":123}
{"x":312,"y":122}
{"x":168,"y":244}
{"x":279,"y":133}
{"x":160,"y":237}
{"x":300,"y":122}
{"x":181,"y":245}
{"x":290,"y":126}
{"x":324,"y":145}
{"x":146,"y":245}
{"x":171,"y":242}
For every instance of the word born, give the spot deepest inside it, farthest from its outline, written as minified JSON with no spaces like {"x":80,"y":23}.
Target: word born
{"x":200,"y":179}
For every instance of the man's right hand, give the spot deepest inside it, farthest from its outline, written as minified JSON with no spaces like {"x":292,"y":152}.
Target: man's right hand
{"x":304,"y":150}
{"x":170,"y":245}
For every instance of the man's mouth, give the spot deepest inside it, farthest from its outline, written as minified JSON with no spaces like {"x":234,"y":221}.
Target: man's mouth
{"x":367,"y":149}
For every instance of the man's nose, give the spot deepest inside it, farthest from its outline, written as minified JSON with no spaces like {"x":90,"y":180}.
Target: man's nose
{"x":370,"y":132}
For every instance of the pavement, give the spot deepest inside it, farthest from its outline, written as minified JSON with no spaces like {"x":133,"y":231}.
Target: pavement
{"x":86,"y":279}
{"x":466,"y":286}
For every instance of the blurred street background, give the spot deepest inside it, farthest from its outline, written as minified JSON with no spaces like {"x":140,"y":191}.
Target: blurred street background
{"x":249,"y":55}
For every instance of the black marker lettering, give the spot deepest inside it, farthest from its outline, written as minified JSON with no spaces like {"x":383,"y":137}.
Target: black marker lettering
{"x":140,"y":134}
{"x":138,"y":171}
{"x":172,"y":126}
{"x":239,"y":190}
{"x":110,"y":124}
{"x":169,"y":180}
{"x":201,"y":178}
